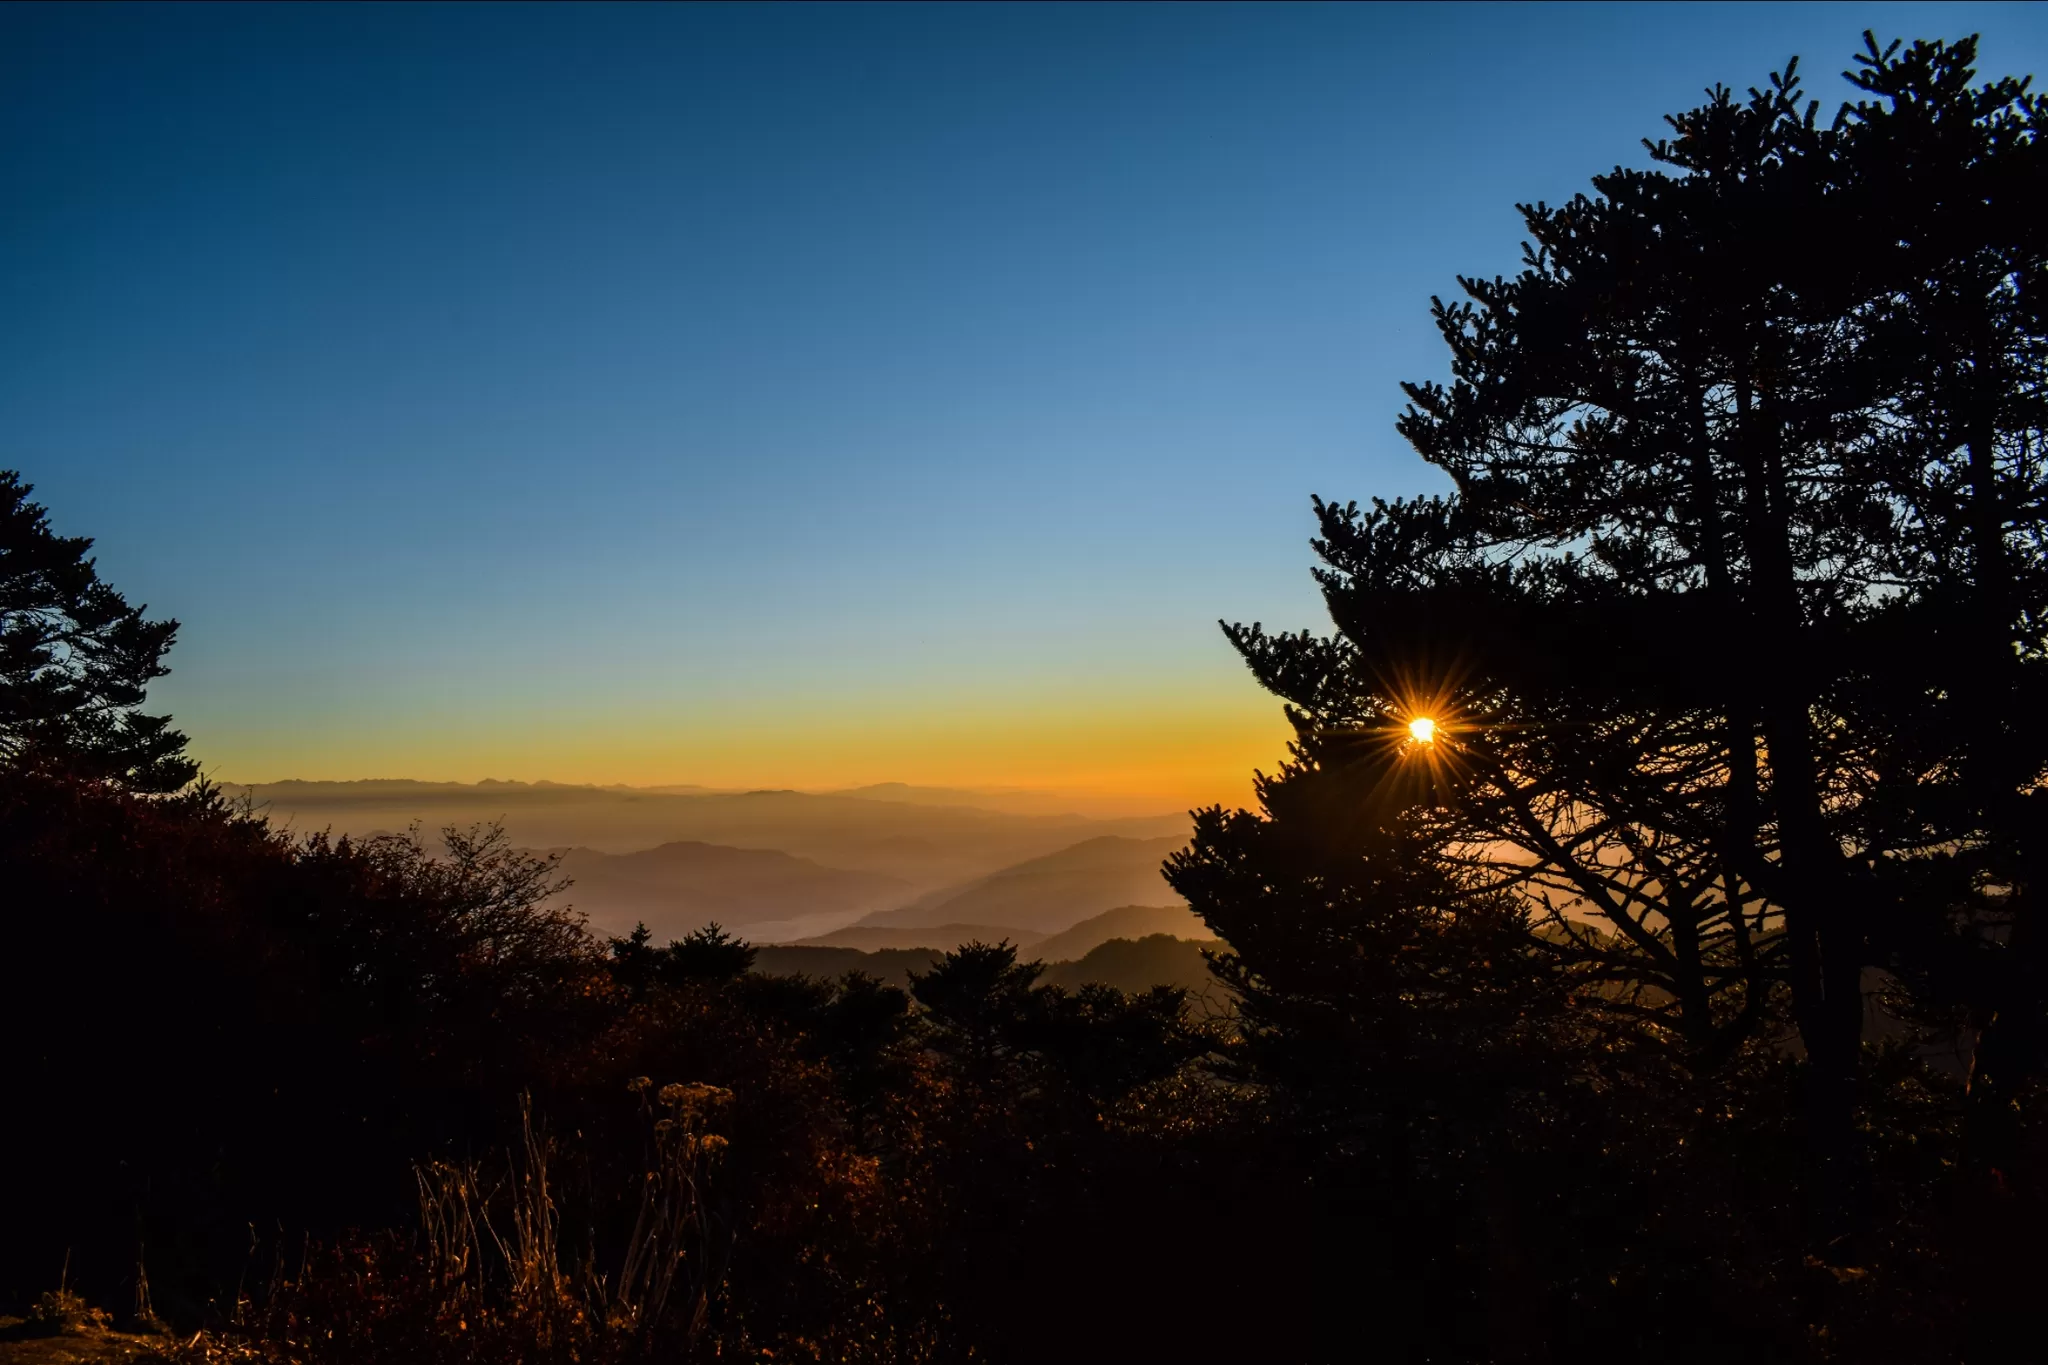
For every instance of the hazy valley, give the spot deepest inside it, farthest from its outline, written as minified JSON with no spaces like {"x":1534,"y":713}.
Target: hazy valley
{"x":883,"y":867}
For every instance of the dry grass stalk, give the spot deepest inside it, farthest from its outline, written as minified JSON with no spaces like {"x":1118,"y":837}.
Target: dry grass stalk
{"x":672,"y":1240}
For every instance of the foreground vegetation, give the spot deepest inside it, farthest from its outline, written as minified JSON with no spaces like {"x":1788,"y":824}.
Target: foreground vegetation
{"x":1637,"y":956}
{"x":355,"y":1102}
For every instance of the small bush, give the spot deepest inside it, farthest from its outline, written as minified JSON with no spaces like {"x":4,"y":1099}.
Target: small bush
{"x":59,"y":1310}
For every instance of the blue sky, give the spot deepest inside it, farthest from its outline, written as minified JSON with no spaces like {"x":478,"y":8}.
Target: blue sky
{"x":774,"y":394}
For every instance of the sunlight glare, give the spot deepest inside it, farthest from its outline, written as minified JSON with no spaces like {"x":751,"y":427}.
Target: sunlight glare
{"x":1422,"y":730}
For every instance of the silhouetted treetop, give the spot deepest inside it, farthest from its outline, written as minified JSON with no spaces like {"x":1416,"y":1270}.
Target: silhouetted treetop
{"x":76,"y":660}
{"x":1731,"y":633}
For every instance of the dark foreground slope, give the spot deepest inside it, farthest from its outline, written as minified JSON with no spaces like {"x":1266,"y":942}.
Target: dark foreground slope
{"x":229,"y":1034}
{"x":311,"y":1081}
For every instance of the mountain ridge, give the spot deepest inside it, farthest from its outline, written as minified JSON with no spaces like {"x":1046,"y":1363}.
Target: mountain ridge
{"x":942,"y":937}
{"x":684,"y":884}
{"x":1125,"y":921}
{"x":929,"y":847}
{"x":1050,"y":893}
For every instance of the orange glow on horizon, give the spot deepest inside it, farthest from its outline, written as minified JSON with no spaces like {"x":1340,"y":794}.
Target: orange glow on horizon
{"x":1112,"y":756}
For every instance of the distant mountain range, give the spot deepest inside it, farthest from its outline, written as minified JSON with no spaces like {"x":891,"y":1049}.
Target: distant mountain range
{"x":927,"y":843}
{"x":1009,"y":801}
{"x":1059,"y":906}
{"x":1136,"y":965}
{"x":943,"y":937}
{"x":682,"y":886}
{"x":1049,"y":893}
{"x":785,"y":865}
{"x":1126,"y":921}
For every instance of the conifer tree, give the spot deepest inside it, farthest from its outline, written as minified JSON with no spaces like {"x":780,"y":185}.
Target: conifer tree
{"x":76,"y":660}
{"x":1746,"y":536}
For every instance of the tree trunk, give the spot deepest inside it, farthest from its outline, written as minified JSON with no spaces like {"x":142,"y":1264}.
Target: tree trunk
{"x":1826,"y":951}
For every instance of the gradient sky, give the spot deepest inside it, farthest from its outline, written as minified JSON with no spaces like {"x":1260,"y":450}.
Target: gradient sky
{"x":774,"y":395}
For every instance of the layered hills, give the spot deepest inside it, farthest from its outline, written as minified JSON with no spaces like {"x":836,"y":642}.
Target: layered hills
{"x":1009,"y":801}
{"x":1049,"y":893}
{"x":1125,"y":921}
{"x":878,"y":868}
{"x":681,"y":886}
{"x":771,"y":896}
{"x":942,"y":937}
{"x":917,"y":835}
{"x":1071,"y":900}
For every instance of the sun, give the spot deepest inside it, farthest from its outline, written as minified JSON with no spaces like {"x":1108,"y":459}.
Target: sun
{"x":1422,"y":730}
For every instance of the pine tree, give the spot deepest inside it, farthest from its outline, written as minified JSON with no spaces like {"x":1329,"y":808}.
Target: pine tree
{"x":76,"y":660}
{"x":1732,"y":453}
{"x":1962,"y":342}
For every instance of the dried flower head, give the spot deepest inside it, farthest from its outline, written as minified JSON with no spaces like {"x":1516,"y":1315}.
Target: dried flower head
{"x":692,"y":1099}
